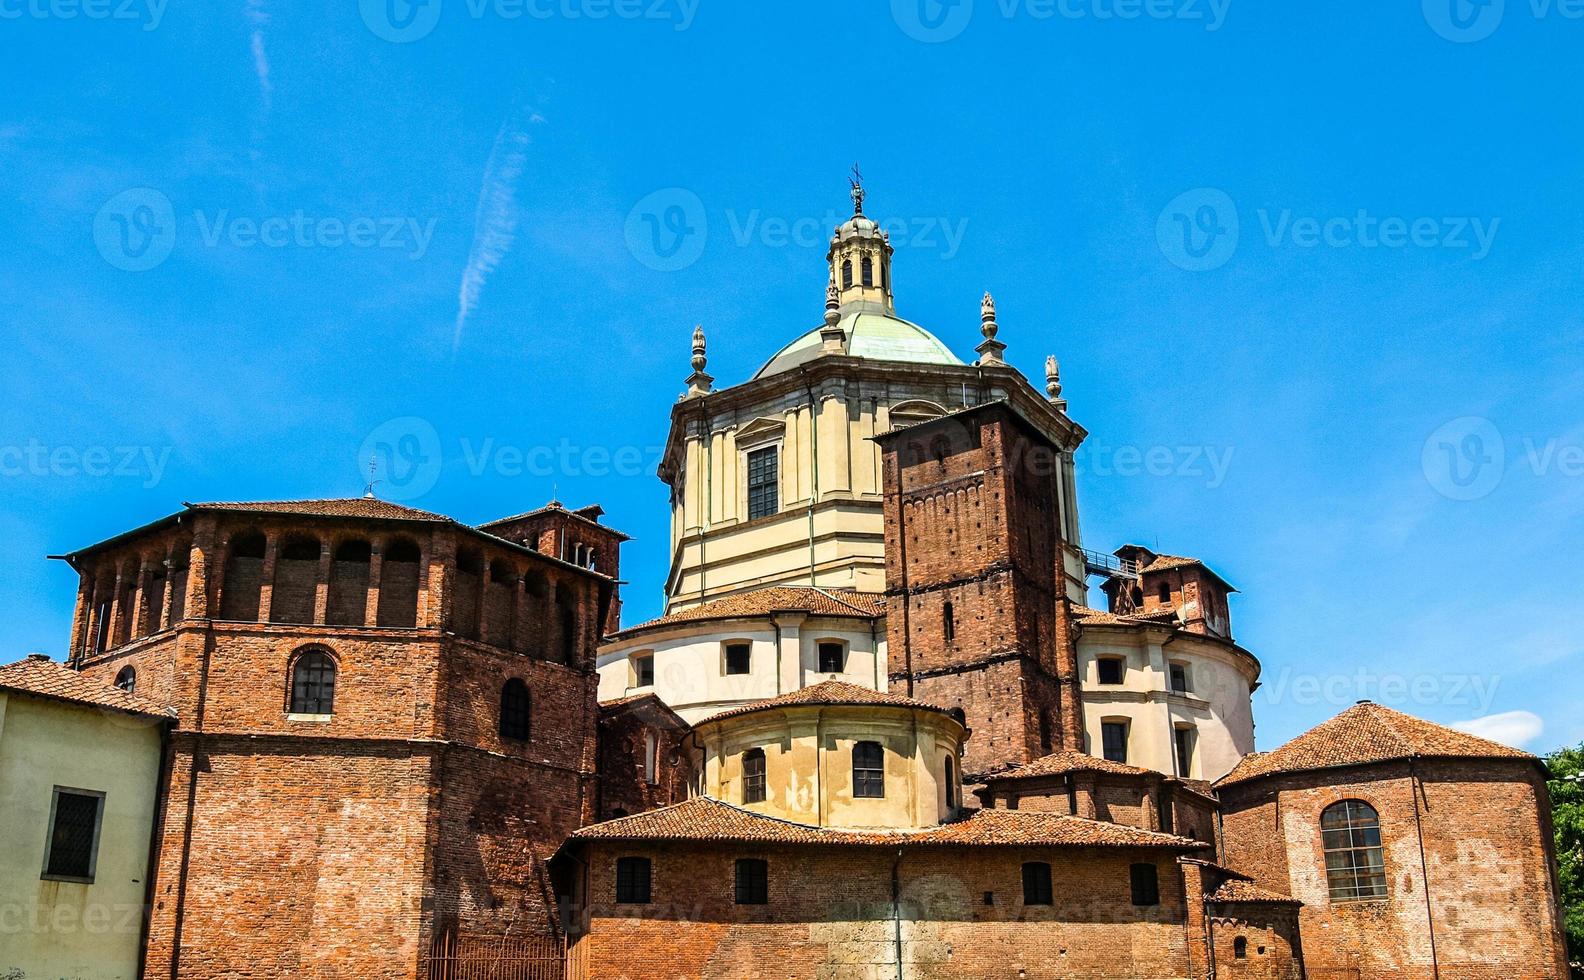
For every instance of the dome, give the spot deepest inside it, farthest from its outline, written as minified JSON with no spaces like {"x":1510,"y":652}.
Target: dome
{"x":870,"y":332}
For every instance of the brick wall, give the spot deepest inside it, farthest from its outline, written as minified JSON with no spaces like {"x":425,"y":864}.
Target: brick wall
{"x":830,"y":915}
{"x":623,"y":750}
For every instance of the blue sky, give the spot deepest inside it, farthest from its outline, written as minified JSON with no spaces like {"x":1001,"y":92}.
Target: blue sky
{"x":1313,"y":274}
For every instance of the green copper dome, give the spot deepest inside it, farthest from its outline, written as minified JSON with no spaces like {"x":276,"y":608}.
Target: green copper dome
{"x":870,"y":333}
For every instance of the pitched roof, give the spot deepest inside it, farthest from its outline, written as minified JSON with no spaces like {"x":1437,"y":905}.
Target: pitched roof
{"x":1064,"y":761}
{"x":42,"y":677}
{"x":703,"y":819}
{"x":1365,"y":733}
{"x":828,"y":693}
{"x":1099,"y":617}
{"x":336,"y":507}
{"x":588,"y":515}
{"x":1235,"y":891}
{"x":777,"y":598}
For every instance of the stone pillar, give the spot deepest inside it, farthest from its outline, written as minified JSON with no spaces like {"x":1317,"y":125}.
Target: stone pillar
{"x":267,"y":575}
{"x":790,"y":676}
{"x":116,"y":610}
{"x":376,"y":565}
{"x":80,"y":617}
{"x":172,"y":556}
{"x":322,"y":586}
{"x":138,"y":624}
{"x":199,"y":571}
{"x":438,"y":568}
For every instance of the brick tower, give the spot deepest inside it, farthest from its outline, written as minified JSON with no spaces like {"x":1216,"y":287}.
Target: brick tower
{"x":977,"y":611}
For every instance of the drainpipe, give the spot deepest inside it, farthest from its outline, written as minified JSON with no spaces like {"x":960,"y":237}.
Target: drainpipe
{"x":1424,"y":866}
{"x":896,"y":909}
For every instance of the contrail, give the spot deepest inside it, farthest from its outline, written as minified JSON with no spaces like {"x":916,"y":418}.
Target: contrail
{"x":495,"y":220}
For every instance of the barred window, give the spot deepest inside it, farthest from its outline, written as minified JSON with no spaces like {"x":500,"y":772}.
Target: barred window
{"x":753,"y":764}
{"x":832,"y":657}
{"x":514,"y":710}
{"x":313,"y":684}
{"x":868,"y":761}
{"x":1146,"y":884}
{"x":763,"y":475}
{"x":753,"y":881}
{"x":632,"y":880}
{"x":73,"y":843}
{"x":1355,"y":860}
{"x":1036,"y":883}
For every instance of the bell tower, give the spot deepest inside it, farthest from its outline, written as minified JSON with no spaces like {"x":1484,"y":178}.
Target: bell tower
{"x":860,"y":257}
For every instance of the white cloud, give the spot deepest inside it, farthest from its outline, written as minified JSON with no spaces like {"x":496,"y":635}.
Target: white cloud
{"x":495,"y":221}
{"x":258,"y":17}
{"x":1515,"y":728}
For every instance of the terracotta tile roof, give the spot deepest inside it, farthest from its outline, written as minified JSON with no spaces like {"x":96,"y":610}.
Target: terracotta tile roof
{"x":828,"y":693}
{"x":1100,"y":617}
{"x":1365,"y":733}
{"x":588,"y":515}
{"x":42,"y":677}
{"x":706,"y":820}
{"x":778,"y":598}
{"x":1238,"y":892}
{"x":1065,"y":761}
{"x":343,"y":507}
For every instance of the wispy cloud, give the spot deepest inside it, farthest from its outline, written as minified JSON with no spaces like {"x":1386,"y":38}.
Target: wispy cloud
{"x":1515,"y":728}
{"x":257,"y":17}
{"x":495,"y":220}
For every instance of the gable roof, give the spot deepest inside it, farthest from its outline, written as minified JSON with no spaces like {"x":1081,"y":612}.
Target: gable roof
{"x":1064,"y":761}
{"x":835,"y":693}
{"x":775,"y":599}
{"x":39,"y":676}
{"x":704,"y":820}
{"x":1366,"y":733}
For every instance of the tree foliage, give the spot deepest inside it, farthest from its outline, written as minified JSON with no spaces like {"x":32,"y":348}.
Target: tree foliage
{"x":1567,"y":806}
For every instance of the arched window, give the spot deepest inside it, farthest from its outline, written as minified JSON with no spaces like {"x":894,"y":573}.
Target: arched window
{"x":868,"y":761}
{"x":950,"y":775}
{"x":296,"y":580}
{"x":847,"y":273}
{"x":868,"y":271}
{"x":1355,"y":860}
{"x":514,"y":710}
{"x":1240,"y":948}
{"x":313,"y":684}
{"x":244,"y":571}
{"x":753,"y":776}
{"x":126,"y":679}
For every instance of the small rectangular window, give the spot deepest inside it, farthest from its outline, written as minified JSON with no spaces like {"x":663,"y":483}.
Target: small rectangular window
{"x":1179,"y":679}
{"x":1114,"y":739}
{"x":868,"y":760}
{"x":1185,"y":740}
{"x":632,"y":880}
{"x":753,"y":882}
{"x":832,"y":658}
{"x":763,"y":479}
{"x":1146,"y":884}
{"x":1110,"y":670}
{"x":754,"y":776}
{"x":72,"y":849}
{"x":1036,"y":883}
{"x":643,"y":671}
{"x":738,"y":658}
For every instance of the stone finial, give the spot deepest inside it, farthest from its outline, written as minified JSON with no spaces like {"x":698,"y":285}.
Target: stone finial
{"x":1053,"y":381}
{"x":990,"y":350}
{"x":698,"y":382}
{"x":833,"y":339}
